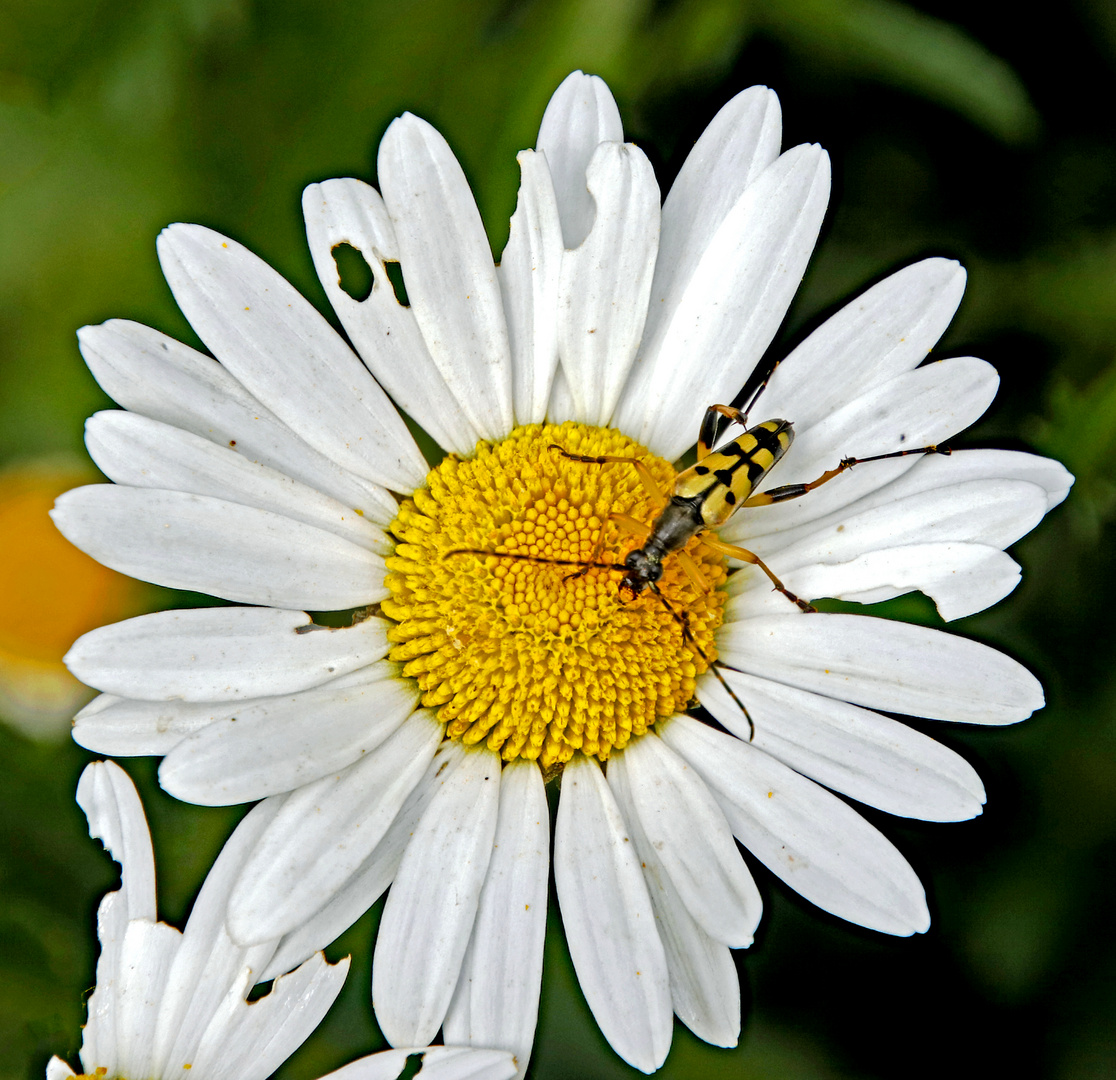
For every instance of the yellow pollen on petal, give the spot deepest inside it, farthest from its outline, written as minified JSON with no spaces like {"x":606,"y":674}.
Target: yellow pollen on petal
{"x":540,"y":656}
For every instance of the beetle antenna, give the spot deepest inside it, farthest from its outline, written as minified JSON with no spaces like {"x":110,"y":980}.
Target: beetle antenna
{"x":712,"y":665}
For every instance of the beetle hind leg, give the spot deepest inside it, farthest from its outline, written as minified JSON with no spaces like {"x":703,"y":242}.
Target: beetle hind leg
{"x":744,"y":555}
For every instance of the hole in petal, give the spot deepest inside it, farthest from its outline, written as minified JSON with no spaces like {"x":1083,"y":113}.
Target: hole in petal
{"x":414,"y":1061}
{"x":354,"y":275}
{"x":395,"y":275}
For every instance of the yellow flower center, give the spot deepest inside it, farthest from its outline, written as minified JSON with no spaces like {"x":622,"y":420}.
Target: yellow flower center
{"x":534,"y":658}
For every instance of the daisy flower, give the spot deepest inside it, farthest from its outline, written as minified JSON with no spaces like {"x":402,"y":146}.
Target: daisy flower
{"x":168,"y":1001}
{"x":411,"y":748}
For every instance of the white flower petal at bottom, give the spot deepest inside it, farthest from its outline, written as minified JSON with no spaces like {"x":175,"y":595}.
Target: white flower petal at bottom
{"x":371,"y":879}
{"x":323,"y":833}
{"x":167,"y":1000}
{"x":438,"y":1063}
{"x":693,"y":842}
{"x":197,"y":1011}
{"x":609,"y":923}
{"x":704,"y":984}
{"x":496,"y":1002}
{"x":430,"y":910}
{"x":109,"y":801}
{"x":817,"y":844}
{"x":255,"y":1044}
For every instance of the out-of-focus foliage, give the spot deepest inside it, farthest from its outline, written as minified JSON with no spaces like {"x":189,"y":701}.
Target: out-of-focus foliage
{"x":954,"y":131}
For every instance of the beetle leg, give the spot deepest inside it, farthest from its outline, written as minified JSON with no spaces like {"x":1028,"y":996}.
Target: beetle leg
{"x":708,"y":431}
{"x":795,"y":491}
{"x":747,"y":556}
{"x":694,"y":573}
{"x":629,"y":524}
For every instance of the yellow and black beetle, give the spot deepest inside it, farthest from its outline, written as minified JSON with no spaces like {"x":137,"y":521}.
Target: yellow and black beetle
{"x":708,"y":493}
{"x":705,"y":496}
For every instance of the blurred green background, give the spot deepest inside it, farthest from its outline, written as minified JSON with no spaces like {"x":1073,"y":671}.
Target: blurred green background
{"x":954,"y":130}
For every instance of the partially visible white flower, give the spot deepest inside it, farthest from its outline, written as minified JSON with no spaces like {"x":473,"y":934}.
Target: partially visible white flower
{"x":168,"y":1002}
{"x":265,"y":476}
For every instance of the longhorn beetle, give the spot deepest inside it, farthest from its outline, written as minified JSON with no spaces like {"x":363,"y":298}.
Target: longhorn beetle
{"x":705,"y":496}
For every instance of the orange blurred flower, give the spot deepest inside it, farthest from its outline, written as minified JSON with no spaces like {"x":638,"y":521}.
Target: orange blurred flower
{"x":52,"y":594}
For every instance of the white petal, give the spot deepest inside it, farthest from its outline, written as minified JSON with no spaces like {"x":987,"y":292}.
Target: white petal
{"x":438,"y":1063}
{"x":963,"y":465}
{"x":430,"y":910}
{"x":994,"y":513}
{"x":112,"y":806}
{"x":264,"y":746}
{"x":373,"y":877}
{"x":869,"y":757}
{"x":811,"y":839}
{"x":943,"y":540}
{"x":884,"y":664}
{"x":123,"y":728}
{"x":381,"y":329}
{"x":561,"y":406}
{"x":461,"y":1063}
{"x":609,"y":923}
{"x":528,"y":273}
{"x":208,"y":966}
{"x":448,"y":270}
{"x":57,"y":1069}
{"x":236,"y":552}
{"x":122,"y":1010}
{"x":739,"y":143}
{"x":961,"y":579}
{"x":152,"y":374}
{"x":120,"y":1033}
{"x":324,"y":831}
{"x":736,"y":147}
{"x":932,"y":473}
{"x":691,"y":839}
{"x":606,"y":281}
{"x":278,"y":346}
{"x":222,"y":654}
{"x":704,"y":347}
{"x":923,"y":407}
{"x":265,"y":1034}
{"x":704,"y":986}
{"x":496,"y":1002}
{"x":580,"y":115}
{"x":139,"y":452}
{"x":883,"y":333}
